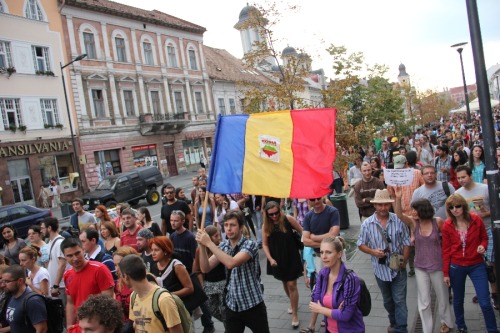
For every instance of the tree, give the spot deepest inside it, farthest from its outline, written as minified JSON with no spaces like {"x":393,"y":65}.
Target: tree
{"x":432,"y":105}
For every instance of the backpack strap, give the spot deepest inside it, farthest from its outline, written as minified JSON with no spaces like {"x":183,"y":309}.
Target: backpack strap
{"x":156,"y":307}
{"x":446,"y":189}
{"x":25,"y":304}
{"x":54,"y":243}
{"x":340,"y":288}
{"x":155,"y":304}
{"x":99,"y":256}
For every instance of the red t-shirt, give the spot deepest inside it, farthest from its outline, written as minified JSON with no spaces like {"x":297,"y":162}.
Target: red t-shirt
{"x":91,"y":280}
{"x":128,"y":239}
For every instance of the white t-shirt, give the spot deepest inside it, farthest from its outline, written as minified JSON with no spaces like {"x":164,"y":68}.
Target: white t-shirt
{"x":54,"y":254}
{"x":41,"y":275}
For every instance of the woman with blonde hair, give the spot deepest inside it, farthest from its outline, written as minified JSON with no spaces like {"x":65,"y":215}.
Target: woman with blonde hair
{"x":38,"y":277}
{"x":341,"y":310}
{"x":111,"y":237}
{"x":122,"y":292}
{"x":282,"y":252}
{"x":464,"y":245}
{"x":198,"y":208}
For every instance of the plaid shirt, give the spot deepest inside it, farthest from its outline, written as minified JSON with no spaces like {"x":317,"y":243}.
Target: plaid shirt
{"x":438,"y":163}
{"x":243,"y":290}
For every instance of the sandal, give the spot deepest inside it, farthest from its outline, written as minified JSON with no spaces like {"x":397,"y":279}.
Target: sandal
{"x":307,"y":330}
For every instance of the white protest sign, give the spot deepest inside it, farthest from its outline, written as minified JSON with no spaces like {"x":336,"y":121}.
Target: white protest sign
{"x":401,"y":177}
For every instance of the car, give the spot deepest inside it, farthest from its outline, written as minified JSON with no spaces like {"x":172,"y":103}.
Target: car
{"x":130,"y":186}
{"x":22,"y":216}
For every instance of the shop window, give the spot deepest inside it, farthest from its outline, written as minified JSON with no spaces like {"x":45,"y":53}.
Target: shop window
{"x":145,"y":156}
{"x":193,"y":150}
{"x":60,"y":168}
{"x":107,"y":163}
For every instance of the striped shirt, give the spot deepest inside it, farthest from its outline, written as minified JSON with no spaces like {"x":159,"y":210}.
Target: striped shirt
{"x":243,"y":290}
{"x":371,"y":235}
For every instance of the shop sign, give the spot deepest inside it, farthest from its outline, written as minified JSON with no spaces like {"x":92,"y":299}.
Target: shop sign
{"x":33,"y":148}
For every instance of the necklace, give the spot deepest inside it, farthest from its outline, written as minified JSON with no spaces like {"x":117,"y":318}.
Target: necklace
{"x":463,"y":237}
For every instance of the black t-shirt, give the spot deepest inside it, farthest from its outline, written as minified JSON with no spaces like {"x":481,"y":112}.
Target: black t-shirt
{"x":168,"y":209}
{"x":151,"y":266}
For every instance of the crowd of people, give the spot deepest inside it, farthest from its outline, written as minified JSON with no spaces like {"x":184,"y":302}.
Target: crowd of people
{"x":111,"y":274}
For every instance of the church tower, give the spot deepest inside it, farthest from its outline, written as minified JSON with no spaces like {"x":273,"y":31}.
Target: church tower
{"x":250,"y":35}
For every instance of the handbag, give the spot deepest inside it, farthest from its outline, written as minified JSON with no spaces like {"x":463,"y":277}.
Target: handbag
{"x":297,"y":238}
{"x":192,"y":301}
{"x":489,"y":270}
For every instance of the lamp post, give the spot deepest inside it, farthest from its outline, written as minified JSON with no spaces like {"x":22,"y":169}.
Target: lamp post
{"x":75,"y":158}
{"x":460,"y":48}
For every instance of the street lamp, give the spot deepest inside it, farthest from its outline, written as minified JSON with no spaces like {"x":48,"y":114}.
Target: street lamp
{"x":460,"y":48}
{"x":75,"y":158}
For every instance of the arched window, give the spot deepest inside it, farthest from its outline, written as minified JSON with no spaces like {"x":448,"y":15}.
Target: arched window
{"x":89,"y":41}
{"x":192,"y":57}
{"x":171,"y":50}
{"x":120,"y":46}
{"x":33,"y":10}
{"x":148,"y":50}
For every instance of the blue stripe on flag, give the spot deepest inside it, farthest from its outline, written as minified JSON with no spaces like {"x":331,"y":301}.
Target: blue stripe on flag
{"x":226,"y":167}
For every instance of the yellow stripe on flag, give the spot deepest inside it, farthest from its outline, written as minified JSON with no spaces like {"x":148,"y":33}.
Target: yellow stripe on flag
{"x":268,"y":163}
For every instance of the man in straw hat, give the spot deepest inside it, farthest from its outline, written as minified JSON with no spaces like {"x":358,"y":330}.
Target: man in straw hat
{"x":383,"y":236}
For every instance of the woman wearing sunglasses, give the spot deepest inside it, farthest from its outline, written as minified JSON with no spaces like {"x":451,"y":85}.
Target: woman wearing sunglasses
{"x":464,"y":245}
{"x":282,"y":252}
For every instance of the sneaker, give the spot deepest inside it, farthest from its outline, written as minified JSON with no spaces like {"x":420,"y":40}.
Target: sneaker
{"x":391,"y":329}
{"x":461,"y":330}
{"x":475,"y":300}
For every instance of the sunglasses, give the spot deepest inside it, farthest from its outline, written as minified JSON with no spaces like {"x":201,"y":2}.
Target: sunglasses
{"x":387,"y":237}
{"x":273,"y":214}
{"x":315,"y":199}
{"x":169,"y":192}
{"x":454,"y":207}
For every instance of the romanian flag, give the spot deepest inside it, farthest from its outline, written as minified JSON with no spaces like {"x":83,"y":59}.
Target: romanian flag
{"x":280,"y":154}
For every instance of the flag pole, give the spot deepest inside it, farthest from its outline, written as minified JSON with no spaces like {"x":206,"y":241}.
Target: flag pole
{"x":205,"y":202}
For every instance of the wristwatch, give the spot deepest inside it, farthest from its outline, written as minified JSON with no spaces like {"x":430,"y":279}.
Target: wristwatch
{"x":55,"y":286}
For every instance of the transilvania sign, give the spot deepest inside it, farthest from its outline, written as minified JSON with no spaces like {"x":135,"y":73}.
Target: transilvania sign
{"x":33,"y":148}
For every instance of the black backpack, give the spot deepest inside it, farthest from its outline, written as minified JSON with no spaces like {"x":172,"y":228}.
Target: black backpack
{"x":55,"y":312}
{"x":365,"y":299}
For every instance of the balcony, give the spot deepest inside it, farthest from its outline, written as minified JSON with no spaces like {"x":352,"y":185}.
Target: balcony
{"x":163,"y":123}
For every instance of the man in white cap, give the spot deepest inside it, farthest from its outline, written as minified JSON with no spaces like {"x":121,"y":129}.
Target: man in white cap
{"x":386,"y":238}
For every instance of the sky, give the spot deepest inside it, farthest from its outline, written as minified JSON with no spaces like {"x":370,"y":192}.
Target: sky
{"x":417,"y":33}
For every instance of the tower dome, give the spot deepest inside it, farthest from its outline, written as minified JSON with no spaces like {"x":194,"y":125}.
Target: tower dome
{"x":289,"y":51}
{"x":245,"y":15}
{"x":402,"y":71}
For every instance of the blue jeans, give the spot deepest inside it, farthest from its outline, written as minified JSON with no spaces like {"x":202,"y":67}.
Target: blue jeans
{"x":479,"y":278}
{"x":394,"y":295}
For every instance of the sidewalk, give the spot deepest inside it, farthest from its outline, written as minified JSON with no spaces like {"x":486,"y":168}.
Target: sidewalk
{"x":377,"y":322}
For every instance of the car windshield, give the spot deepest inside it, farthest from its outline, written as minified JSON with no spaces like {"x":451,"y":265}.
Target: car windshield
{"x":106,"y":184}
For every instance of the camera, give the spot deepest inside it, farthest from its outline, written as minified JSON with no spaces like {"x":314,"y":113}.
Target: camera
{"x":383,"y":260}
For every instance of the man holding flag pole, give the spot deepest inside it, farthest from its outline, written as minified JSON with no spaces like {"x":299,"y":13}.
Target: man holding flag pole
{"x":280,"y":154}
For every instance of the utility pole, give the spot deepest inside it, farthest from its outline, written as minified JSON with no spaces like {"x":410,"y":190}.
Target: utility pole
{"x":487,"y":125}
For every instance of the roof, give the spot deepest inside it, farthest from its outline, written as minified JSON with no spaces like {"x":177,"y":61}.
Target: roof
{"x":222,"y":65}
{"x":150,"y":16}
